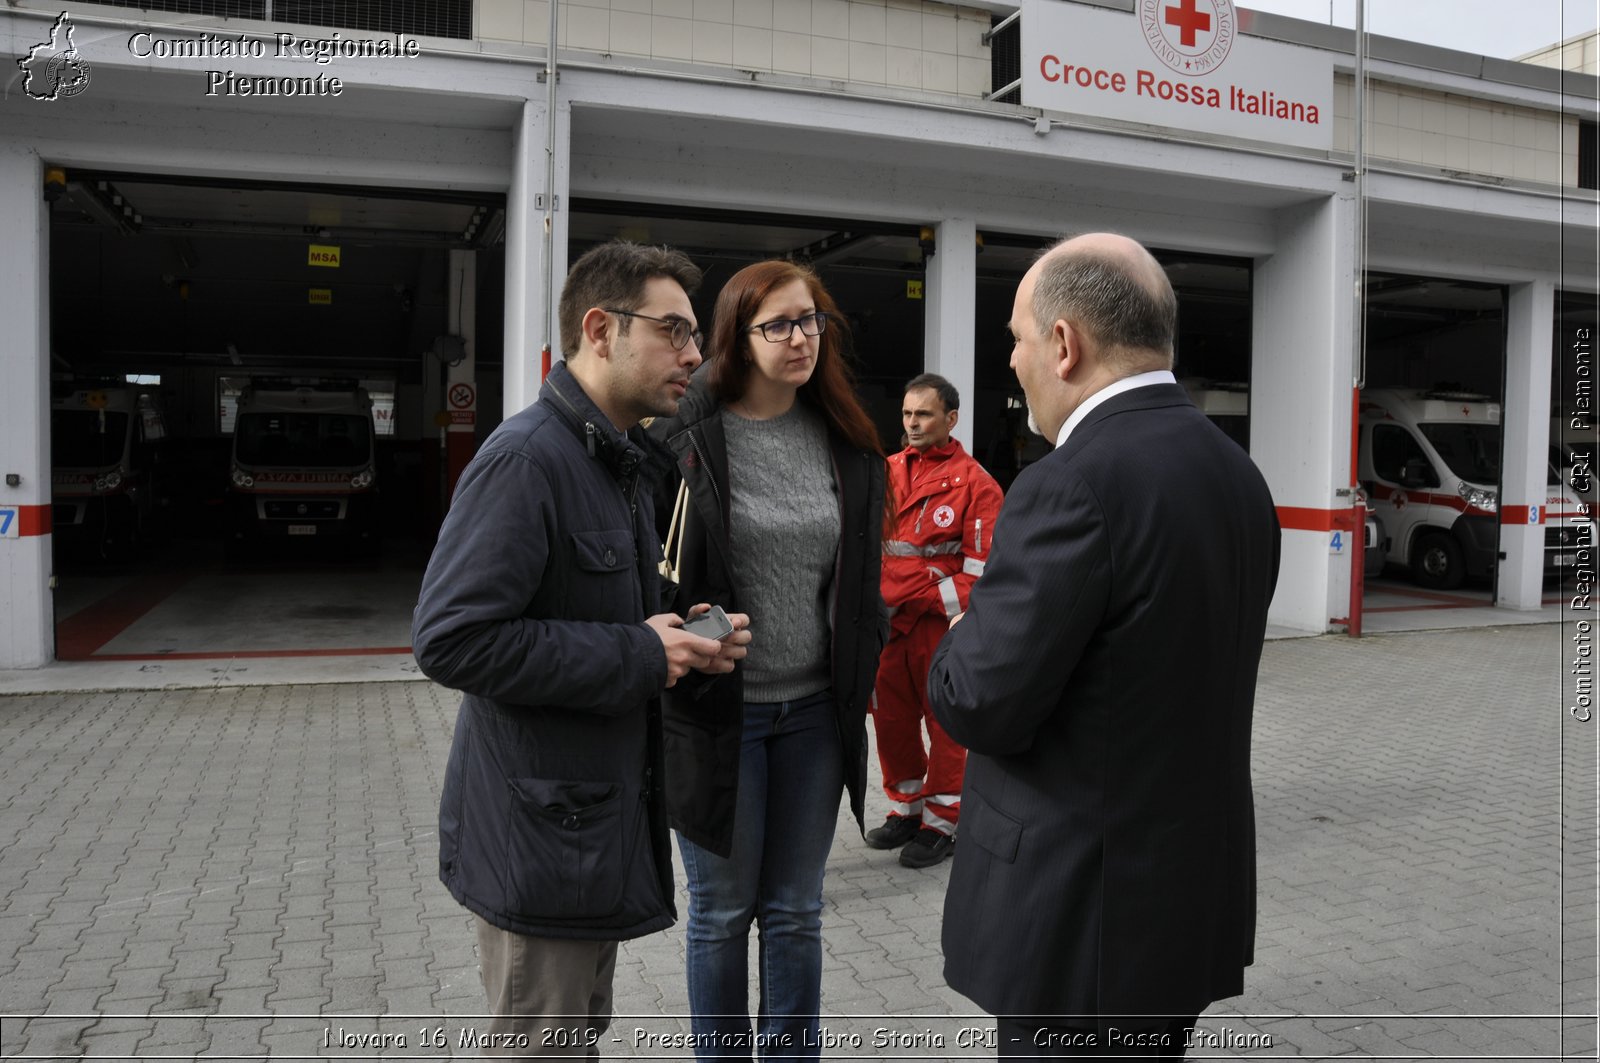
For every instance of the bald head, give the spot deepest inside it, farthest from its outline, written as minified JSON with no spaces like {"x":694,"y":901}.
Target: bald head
{"x":1115,"y":292}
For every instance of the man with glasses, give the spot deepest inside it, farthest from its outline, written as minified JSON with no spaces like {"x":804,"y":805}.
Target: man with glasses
{"x":540,"y":604}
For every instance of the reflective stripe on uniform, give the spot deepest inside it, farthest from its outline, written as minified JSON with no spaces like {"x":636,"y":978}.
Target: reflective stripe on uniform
{"x":910,"y":809}
{"x":972,"y":566}
{"x":952,"y":601}
{"x":940,"y":813}
{"x":899,"y":548}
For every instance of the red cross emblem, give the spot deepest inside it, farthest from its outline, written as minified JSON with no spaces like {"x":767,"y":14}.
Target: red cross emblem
{"x":1399,"y":500}
{"x":1192,"y":37}
{"x":1188,"y":19}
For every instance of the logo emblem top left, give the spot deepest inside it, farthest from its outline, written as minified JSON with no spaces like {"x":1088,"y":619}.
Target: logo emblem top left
{"x":54,"y":69}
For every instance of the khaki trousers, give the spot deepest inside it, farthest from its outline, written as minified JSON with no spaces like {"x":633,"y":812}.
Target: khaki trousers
{"x":549,"y":998}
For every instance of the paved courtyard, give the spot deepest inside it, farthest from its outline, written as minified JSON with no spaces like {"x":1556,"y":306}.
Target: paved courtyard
{"x":248,"y":872}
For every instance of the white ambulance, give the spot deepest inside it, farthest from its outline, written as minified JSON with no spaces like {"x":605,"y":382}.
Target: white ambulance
{"x":105,"y":449}
{"x":304,"y":464}
{"x":1430,"y":465}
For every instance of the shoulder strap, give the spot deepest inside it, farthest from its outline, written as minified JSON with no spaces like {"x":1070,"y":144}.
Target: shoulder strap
{"x":672,"y":549}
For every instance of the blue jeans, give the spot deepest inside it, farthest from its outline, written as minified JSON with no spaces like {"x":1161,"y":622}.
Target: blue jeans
{"x":790,"y":780}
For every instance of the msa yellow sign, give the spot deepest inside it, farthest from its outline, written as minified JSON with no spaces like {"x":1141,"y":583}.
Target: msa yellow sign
{"x":321,"y":296}
{"x":323,"y":255}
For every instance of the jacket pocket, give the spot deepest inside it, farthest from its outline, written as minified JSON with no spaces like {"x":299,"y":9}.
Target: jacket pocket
{"x":603,"y":551}
{"x":567,"y":848}
{"x":602,"y":584}
{"x":984,"y":825}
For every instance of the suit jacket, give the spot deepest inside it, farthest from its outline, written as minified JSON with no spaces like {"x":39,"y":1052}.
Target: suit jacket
{"x":1103,"y":680}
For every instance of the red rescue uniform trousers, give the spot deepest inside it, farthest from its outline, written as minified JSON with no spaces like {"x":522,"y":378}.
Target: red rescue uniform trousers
{"x":920,"y":781}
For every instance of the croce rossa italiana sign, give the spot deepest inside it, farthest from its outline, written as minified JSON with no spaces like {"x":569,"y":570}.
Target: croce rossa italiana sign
{"x":1176,"y":63}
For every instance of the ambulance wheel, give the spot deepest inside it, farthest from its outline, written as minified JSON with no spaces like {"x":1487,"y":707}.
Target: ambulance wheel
{"x":1437,"y":562}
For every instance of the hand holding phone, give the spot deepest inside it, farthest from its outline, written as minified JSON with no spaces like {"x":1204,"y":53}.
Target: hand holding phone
{"x":710,"y":625}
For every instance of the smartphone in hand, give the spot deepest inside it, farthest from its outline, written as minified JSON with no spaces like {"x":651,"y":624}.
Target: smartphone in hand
{"x":712,"y":625}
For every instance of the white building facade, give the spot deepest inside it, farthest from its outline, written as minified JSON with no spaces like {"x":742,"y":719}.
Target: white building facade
{"x":889,"y":111}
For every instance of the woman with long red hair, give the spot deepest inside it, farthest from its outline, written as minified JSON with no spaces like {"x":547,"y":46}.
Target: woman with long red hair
{"x":785,"y":480}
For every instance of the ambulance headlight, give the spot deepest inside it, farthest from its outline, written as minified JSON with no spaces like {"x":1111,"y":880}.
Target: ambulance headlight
{"x":1481,"y":497}
{"x":242,"y":478}
{"x":362,"y":479}
{"x":109,"y":482}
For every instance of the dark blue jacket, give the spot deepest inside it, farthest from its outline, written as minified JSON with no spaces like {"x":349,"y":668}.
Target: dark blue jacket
{"x":533,"y":605}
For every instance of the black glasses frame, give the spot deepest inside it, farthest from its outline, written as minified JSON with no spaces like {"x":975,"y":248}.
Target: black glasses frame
{"x":781,"y":329}
{"x":679,"y":330}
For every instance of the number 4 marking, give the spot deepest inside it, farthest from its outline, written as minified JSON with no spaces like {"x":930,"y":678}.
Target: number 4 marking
{"x":1337,"y":544}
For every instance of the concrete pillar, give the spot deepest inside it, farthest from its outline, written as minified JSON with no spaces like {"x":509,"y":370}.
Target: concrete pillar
{"x":951,"y":309}
{"x":461,"y":379}
{"x":1527,"y":505}
{"x":527,"y":311}
{"x":1302,"y":403}
{"x":27,"y":620}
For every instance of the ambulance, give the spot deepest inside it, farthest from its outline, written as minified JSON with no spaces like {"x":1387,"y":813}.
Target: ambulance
{"x":105,"y":448}
{"x":1430,"y":464}
{"x":303,"y":465}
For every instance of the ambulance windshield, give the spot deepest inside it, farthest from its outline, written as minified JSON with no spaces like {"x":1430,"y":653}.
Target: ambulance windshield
{"x":86,"y":439}
{"x":303,"y":440}
{"x":1472,"y":451}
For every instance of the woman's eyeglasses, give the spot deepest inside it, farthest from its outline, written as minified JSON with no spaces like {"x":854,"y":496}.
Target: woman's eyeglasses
{"x":783,"y":328}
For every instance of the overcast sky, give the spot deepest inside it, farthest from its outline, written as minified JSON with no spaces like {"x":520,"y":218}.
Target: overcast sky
{"x":1504,"y":28}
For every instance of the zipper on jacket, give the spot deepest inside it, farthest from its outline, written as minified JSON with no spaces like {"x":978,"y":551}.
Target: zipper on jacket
{"x":700,"y":455}
{"x":977,"y":536}
{"x":920,"y":512}
{"x":589,"y":430}
{"x":838,"y":573}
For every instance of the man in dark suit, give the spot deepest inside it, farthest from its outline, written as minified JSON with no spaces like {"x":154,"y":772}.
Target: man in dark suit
{"x":1102,"y":678}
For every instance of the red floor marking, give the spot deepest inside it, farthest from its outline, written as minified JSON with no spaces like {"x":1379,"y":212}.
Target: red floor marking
{"x":1432,"y":596}
{"x":1448,"y":601}
{"x":79,"y":635}
{"x":223,"y":655}
{"x":1423,"y":608}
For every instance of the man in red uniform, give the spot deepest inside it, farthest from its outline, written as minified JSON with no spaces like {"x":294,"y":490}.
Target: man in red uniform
{"x":944,"y":521}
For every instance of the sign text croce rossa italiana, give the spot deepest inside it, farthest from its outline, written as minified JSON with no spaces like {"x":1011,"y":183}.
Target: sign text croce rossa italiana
{"x":1177,"y":63}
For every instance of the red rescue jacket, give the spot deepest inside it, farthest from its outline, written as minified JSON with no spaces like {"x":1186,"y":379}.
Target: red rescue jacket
{"x":946,"y":511}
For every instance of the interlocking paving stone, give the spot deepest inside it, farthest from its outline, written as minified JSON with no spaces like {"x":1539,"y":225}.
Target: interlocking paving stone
{"x":212,"y":863}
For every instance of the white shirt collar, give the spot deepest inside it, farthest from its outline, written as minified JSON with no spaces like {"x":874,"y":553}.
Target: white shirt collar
{"x":1127,"y":383}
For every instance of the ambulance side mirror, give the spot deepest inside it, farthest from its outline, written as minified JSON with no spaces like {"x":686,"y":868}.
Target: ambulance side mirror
{"x":1418,"y":473}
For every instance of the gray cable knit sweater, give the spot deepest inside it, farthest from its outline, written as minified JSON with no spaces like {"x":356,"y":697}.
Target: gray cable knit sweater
{"x":785,"y":538}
